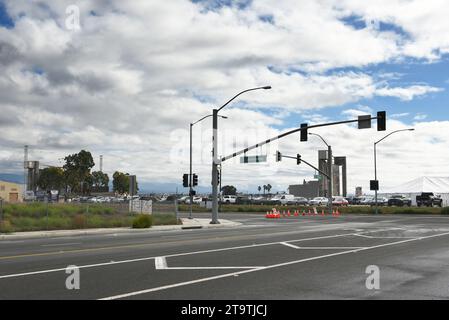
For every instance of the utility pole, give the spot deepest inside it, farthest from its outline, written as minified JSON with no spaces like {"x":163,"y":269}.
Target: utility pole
{"x":101,"y":163}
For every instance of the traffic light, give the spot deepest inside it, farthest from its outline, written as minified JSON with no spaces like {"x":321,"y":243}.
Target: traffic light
{"x":192,"y":193}
{"x":185,"y":180}
{"x":374,"y":185}
{"x":298,"y":159}
{"x":304,"y":132}
{"x":278,"y":156}
{"x":218,"y":176}
{"x":195,"y":180}
{"x":381,"y":121}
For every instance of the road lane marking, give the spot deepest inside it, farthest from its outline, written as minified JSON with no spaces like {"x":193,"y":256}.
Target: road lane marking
{"x":135,"y":293}
{"x":289,"y":245}
{"x":160,"y":263}
{"x":172,"y":255}
{"x":143,"y":244}
{"x":374,"y":237}
{"x":60,"y":244}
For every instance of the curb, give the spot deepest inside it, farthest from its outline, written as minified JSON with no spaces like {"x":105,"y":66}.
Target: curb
{"x":105,"y":231}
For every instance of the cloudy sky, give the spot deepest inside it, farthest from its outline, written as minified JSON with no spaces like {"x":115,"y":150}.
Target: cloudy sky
{"x":126,"y":79}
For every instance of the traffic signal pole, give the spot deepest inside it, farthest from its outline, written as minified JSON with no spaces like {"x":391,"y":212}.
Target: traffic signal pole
{"x":190,"y":176}
{"x":214,"y":168}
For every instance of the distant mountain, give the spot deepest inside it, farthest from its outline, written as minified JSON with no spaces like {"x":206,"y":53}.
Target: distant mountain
{"x":16,"y":178}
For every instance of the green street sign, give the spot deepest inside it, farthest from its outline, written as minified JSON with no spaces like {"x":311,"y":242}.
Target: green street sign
{"x":318,"y":177}
{"x":253,"y":159}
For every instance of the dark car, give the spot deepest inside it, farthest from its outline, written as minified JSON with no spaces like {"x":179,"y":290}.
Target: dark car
{"x":399,"y":201}
{"x":428,"y":199}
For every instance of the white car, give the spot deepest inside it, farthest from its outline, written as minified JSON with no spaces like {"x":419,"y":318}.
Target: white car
{"x":229,"y":199}
{"x":287,"y":199}
{"x":319,"y":201}
{"x":196,"y":200}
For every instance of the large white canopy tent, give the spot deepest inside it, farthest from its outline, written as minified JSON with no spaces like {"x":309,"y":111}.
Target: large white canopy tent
{"x":437,"y":185}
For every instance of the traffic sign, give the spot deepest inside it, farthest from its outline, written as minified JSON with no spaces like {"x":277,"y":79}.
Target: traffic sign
{"x":253,"y":159}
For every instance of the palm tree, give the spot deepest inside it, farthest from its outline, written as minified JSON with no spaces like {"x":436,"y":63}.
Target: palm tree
{"x":259,"y":188}
{"x":264,"y":188}
{"x":269,"y":187}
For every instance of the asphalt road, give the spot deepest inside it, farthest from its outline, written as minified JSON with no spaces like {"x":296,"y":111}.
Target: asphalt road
{"x":291,"y":258}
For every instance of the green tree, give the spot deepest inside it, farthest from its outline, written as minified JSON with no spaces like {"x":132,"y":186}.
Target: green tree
{"x":51,"y":179}
{"x":229,"y":190}
{"x":120,"y":182}
{"x":77,"y":171}
{"x":269,"y":187}
{"x":259,"y":188}
{"x":100,"y":180}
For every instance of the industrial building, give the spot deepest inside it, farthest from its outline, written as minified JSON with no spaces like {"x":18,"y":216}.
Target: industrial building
{"x":10,"y":191}
{"x":319,"y":187}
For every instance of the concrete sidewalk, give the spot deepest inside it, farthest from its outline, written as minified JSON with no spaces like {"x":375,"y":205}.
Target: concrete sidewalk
{"x":186,"y":224}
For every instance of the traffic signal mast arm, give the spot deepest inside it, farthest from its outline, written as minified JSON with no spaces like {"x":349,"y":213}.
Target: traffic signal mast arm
{"x":310,"y":165}
{"x":235,"y":154}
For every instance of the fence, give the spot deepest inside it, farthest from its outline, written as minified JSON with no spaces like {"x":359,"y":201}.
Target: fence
{"x":30,"y":216}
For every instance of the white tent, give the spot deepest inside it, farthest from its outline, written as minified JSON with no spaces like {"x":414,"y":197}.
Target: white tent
{"x":437,"y":185}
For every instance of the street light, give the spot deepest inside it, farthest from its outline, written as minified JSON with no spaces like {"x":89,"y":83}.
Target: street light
{"x":375,"y":162}
{"x":215,"y":160}
{"x":329,"y":170}
{"x":190,"y":176}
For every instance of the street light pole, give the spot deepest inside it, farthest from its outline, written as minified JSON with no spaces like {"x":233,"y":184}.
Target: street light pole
{"x":375,"y":162}
{"x":329,"y":171}
{"x":215,"y":160}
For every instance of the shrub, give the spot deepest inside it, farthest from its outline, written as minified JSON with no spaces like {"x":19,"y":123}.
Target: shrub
{"x":164,"y":219}
{"x":79,"y":222}
{"x":142,"y":221}
{"x":6,"y":227}
{"x":445,"y":210}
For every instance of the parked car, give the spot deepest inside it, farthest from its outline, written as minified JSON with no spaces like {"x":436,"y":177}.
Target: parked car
{"x":428,"y":199}
{"x":400,"y":201}
{"x":196,"y":200}
{"x":29,"y":196}
{"x":229,"y":199}
{"x":301,"y":201}
{"x":287,"y":199}
{"x":367,"y":201}
{"x":339,"y":201}
{"x":319,"y":201}
{"x":183,"y":199}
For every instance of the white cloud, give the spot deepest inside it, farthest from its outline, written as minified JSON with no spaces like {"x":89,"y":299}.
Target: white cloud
{"x":138,"y":72}
{"x":420,"y":116}
{"x":408,"y":93}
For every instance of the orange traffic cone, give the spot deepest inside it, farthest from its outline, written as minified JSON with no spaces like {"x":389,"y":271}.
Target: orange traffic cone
{"x":322,"y":212}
